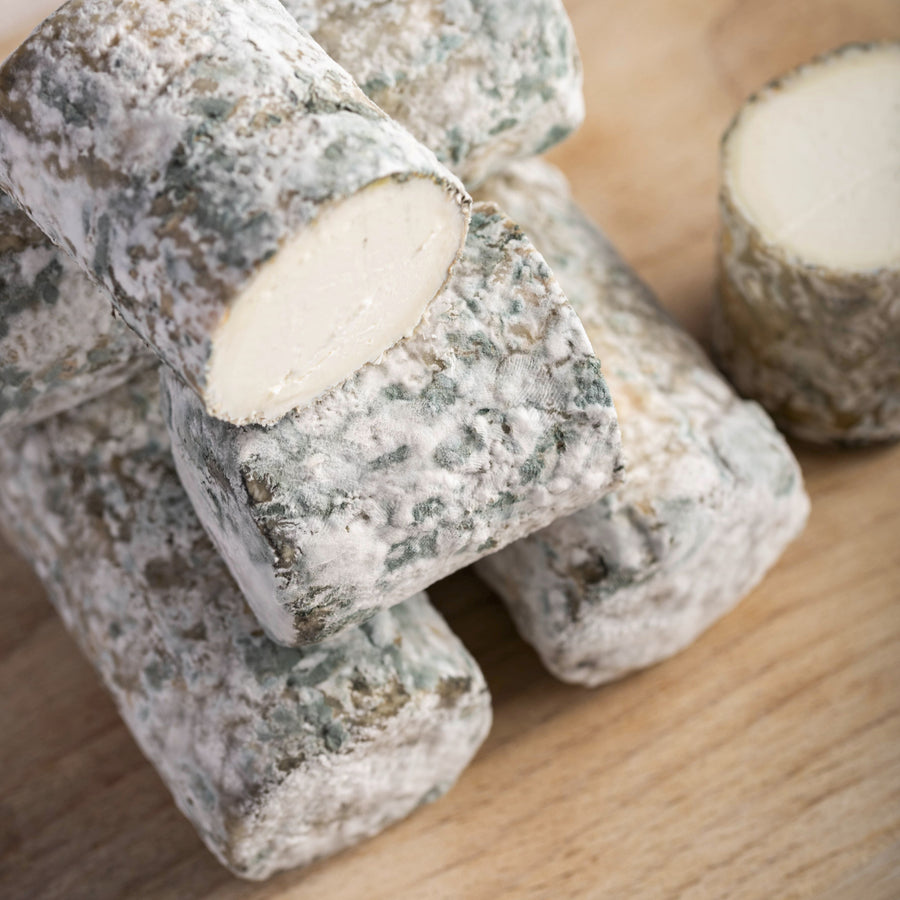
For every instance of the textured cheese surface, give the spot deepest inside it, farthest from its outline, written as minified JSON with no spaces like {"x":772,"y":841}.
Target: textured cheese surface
{"x":712,"y":493}
{"x":815,"y":164}
{"x":59,"y":342}
{"x":277,"y":756}
{"x":487,"y":424}
{"x":174,"y":147}
{"x":480,"y":82}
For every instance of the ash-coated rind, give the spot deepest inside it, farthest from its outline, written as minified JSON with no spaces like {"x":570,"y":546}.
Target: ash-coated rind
{"x":712,"y":493}
{"x":278,"y":757}
{"x":480,"y":82}
{"x":60,"y":344}
{"x":490,"y":422}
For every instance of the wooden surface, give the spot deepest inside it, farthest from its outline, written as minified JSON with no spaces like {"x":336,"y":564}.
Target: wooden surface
{"x":763,"y":762}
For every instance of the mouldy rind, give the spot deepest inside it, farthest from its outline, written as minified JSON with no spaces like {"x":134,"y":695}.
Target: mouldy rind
{"x":819,"y":349}
{"x":480,"y":82}
{"x":491,"y":421}
{"x":712,"y":493}
{"x":278,"y":757}
{"x":60,"y":344}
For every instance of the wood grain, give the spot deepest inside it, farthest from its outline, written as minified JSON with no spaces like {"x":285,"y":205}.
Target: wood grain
{"x":763,"y":762}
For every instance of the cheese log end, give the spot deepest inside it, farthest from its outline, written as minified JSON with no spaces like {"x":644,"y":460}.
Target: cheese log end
{"x":397,"y":748}
{"x":808,"y":319}
{"x":346,"y":289}
{"x":480,"y":82}
{"x":488,"y":423}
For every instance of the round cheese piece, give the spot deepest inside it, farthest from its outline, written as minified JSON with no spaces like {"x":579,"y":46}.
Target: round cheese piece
{"x":808,"y":319}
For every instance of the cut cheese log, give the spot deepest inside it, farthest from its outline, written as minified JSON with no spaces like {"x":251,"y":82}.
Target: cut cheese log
{"x":808,"y":318}
{"x":258,"y":221}
{"x":487,"y":424}
{"x":277,"y":756}
{"x":712,"y":493}
{"x":60,"y":344}
{"x":481,"y":82}
{"x":476,"y":82}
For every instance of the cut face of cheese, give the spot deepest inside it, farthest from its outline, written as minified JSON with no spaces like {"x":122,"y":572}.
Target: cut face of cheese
{"x":489,"y":422}
{"x":336,"y":297}
{"x":278,"y":757}
{"x":815,"y":161}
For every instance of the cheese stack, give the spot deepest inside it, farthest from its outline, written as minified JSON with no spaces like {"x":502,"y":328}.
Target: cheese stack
{"x":266,"y":229}
{"x":367,"y":382}
{"x":269,"y":234}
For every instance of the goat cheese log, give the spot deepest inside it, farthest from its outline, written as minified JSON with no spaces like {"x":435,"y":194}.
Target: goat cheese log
{"x":258,"y":221}
{"x":808,"y":318}
{"x":277,"y":756}
{"x":477,"y":85}
{"x":480,"y":82}
{"x":487,"y":424}
{"x":712,"y":493}
{"x":60,"y":344}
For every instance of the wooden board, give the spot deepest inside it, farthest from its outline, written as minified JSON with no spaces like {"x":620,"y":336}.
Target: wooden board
{"x":763,"y":762}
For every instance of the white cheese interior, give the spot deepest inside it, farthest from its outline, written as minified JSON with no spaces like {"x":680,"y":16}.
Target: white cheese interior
{"x":333,"y":299}
{"x":816,"y":165}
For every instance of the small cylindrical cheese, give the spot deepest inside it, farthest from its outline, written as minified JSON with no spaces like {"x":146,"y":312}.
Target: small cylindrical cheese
{"x":491,"y":421}
{"x":278,"y":757}
{"x":257,"y":220}
{"x":480,"y":82}
{"x":60,"y":343}
{"x":808,"y":316}
{"x":712,"y":493}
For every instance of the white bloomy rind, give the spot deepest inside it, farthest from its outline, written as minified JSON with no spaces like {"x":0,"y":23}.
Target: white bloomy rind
{"x":278,"y":757}
{"x":480,"y":82}
{"x":60,"y":344}
{"x":491,"y":421}
{"x":712,"y":493}
{"x":188,"y":154}
{"x":808,"y":318}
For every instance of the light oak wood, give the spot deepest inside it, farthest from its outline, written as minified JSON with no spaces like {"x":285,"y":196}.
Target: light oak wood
{"x":763,"y":762}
